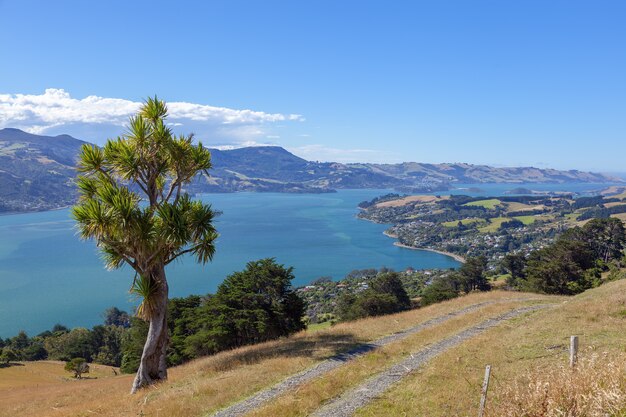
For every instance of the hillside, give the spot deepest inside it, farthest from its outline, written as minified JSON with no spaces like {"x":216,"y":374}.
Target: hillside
{"x":528,"y":333}
{"x":36,"y":173}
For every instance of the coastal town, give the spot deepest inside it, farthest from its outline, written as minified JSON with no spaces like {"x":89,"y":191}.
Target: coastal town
{"x":463,"y":226}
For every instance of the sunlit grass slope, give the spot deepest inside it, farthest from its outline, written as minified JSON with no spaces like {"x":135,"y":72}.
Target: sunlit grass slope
{"x":207,"y":384}
{"x":521,"y":352}
{"x":530,"y":351}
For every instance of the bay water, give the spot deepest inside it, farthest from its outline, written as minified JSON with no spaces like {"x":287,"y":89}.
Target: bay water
{"x":49,"y":276}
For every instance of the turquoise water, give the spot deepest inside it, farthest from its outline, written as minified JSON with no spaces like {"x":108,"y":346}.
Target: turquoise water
{"x":48,"y":276}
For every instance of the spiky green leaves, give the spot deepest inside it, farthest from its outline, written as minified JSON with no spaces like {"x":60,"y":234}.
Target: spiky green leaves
{"x":145,"y":289}
{"x":91,"y":159}
{"x":132,"y":199}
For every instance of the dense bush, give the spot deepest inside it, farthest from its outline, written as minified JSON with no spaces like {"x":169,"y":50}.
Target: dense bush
{"x":250,"y":306}
{"x":575,"y":261}
{"x":440,"y":289}
{"x":470,"y":277}
{"x":385,"y":294}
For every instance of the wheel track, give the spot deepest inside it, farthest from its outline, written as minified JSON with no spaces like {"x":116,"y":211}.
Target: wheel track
{"x":361,"y":395}
{"x":336,"y":361}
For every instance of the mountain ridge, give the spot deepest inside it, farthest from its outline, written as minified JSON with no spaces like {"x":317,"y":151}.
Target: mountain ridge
{"x":37,"y":173}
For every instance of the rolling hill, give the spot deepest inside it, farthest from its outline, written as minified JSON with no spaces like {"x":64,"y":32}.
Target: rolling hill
{"x":36,"y":173}
{"x":524,"y":337}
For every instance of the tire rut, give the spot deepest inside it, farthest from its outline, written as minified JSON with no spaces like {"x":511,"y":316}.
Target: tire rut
{"x":362,"y":394}
{"x":336,"y":361}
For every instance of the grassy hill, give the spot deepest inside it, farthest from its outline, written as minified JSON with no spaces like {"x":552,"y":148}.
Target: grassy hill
{"x":519,"y":349}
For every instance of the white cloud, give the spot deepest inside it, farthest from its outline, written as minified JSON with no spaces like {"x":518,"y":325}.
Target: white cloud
{"x":241,"y":145}
{"x":56,"y":111}
{"x":317,"y":152}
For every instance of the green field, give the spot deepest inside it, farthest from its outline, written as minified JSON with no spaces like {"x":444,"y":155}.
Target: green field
{"x":526,"y":219}
{"x":497,"y":221}
{"x":465,"y":222}
{"x":314,"y":327}
{"x":488,"y":204}
{"x":572,"y":218}
{"x":532,"y":219}
{"x":494,"y":225}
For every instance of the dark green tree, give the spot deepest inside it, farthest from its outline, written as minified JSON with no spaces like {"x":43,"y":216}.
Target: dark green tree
{"x":115,"y":317}
{"x":19,"y":343}
{"x":575,"y":261}
{"x":514,"y":264}
{"x":390,"y":283}
{"x":605,"y":237}
{"x":78,"y":343}
{"x":35,"y":351}
{"x":107,"y":342}
{"x":132,"y":345}
{"x":182,"y":321}
{"x":560,"y":268}
{"x":471,"y":275}
{"x":132,"y":203}
{"x":251,"y":306}
{"x":370,"y":304}
{"x":8,"y":355}
{"x":385,"y":295}
{"x":440,"y":289}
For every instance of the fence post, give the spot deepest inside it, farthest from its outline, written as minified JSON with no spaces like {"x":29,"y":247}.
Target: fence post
{"x":573,"y":351}
{"x":483,"y":394}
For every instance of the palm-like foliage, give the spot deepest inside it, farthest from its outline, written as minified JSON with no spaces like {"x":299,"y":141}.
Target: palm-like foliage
{"x":133,"y":204}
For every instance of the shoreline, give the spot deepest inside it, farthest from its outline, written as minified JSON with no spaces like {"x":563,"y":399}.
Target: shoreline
{"x":391,"y":235}
{"x":457,"y":258}
{"x":454,"y":256}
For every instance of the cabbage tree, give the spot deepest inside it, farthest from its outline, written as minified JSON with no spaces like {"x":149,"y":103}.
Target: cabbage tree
{"x":133,"y":204}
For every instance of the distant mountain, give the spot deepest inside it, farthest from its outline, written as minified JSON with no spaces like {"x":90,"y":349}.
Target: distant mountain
{"x":37,"y":173}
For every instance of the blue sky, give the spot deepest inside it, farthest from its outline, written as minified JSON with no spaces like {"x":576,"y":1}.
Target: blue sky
{"x":539,"y":83}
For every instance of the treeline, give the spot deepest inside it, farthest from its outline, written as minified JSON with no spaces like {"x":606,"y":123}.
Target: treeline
{"x":602,"y":212}
{"x":250,"y":306}
{"x":573,"y":263}
{"x":387,"y":292}
{"x":102,"y":344}
{"x":470,"y":277}
{"x":380,"y":199}
{"x":384,"y":294}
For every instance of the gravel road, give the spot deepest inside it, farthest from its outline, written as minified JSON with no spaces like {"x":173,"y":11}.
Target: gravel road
{"x":362,"y":394}
{"x":336,"y":361}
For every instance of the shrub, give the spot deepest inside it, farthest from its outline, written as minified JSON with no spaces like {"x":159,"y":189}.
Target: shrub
{"x":77,"y":365}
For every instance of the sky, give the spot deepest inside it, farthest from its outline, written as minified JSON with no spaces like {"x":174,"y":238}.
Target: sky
{"x":504,"y":83}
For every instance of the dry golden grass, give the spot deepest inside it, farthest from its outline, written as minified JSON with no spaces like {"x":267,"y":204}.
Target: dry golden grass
{"x":515,"y":206}
{"x":210,"y":383}
{"x":450,"y":385}
{"x":615,"y":191}
{"x":312,"y":395}
{"x":621,"y":216}
{"x":614,"y":203}
{"x":28,"y":374}
{"x":411,"y":199}
{"x":596,"y":387}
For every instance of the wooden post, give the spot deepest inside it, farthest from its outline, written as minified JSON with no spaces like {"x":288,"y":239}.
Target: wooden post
{"x":573,"y":351}
{"x":483,"y":394}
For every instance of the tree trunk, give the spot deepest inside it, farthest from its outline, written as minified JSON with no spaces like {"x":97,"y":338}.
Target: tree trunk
{"x":153,"y":367}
